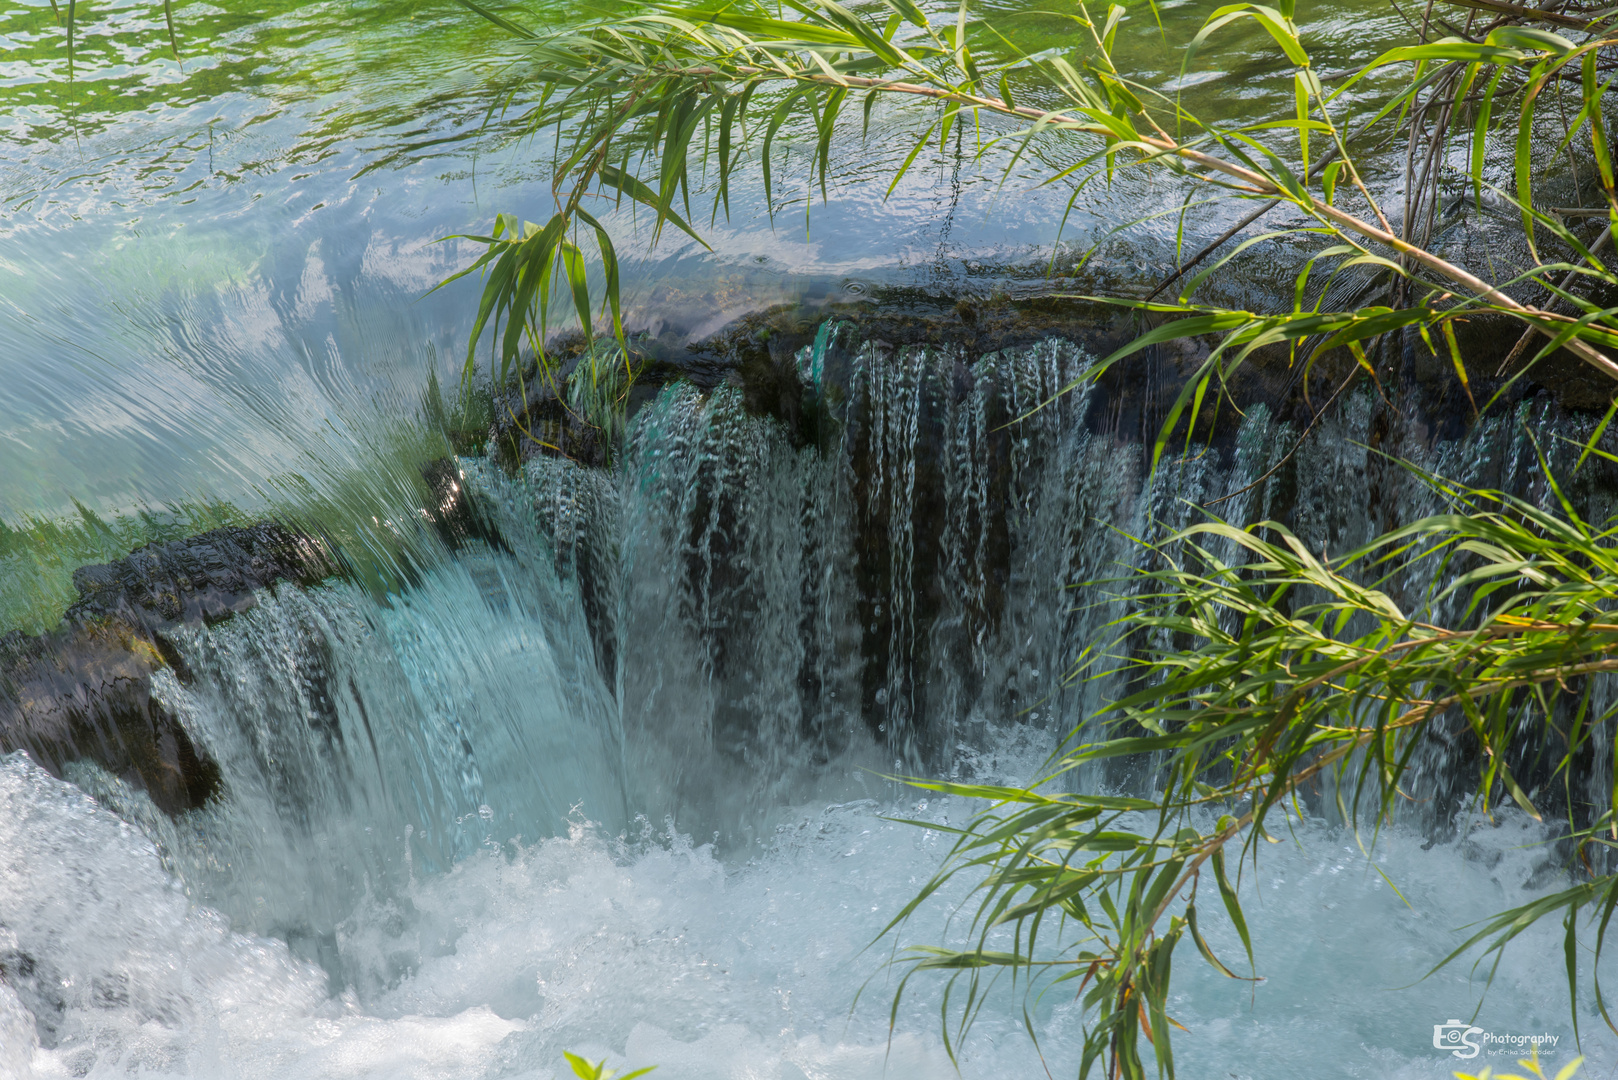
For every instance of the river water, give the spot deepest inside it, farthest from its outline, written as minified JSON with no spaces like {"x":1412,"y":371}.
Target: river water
{"x":613,"y":783}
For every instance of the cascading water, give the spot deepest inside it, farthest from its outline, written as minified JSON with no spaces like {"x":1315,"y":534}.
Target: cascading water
{"x":608,"y":777}
{"x":766,"y":608}
{"x":606,"y":773}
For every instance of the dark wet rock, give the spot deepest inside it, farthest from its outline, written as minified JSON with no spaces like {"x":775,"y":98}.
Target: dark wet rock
{"x":454,"y":511}
{"x":533,"y":417}
{"x":206,"y":578}
{"x":1486,"y":343}
{"x":758,"y":353}
{"x":83,"y":691}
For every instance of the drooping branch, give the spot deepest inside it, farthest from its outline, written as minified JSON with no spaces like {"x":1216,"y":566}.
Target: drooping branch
{"x":1255,"y":184}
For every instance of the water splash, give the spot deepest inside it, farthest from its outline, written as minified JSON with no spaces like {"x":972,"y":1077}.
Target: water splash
{"x":717,"y":637}
{"x":774,"y":607}
{"x":362,"y":743}
{"x":649,"y":950}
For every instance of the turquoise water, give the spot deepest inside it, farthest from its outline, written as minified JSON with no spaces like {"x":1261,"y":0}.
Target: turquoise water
{"x":213,"y":279}
{"x":212,"y":272}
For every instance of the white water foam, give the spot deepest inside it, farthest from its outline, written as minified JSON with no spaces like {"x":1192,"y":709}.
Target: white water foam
{"x":652,"y":951}
{"x":467,"y":713}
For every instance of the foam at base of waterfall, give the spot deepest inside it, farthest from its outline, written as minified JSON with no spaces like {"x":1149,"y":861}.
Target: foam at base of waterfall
{"x":651,"y":951}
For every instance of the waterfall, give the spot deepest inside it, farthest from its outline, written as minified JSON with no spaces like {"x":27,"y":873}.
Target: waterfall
{"x":740,"y":616}
{"x":506,"y":797}
{"x":361,"y":743}
{"x":887,"y":593}
{"x":924,"y":562}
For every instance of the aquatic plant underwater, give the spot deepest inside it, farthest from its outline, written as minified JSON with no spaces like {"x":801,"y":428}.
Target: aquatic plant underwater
{"x":1241,"y":685}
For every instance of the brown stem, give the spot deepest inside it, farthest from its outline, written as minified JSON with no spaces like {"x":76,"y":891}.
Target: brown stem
{"x":1211,"y":248}
{"x":1518,"y":11}
{"x":1257,"y":183}
{"x":1522,"y":343}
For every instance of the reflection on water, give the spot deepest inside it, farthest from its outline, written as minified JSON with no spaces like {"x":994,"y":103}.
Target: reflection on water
{"x":212,"y":271}
{"x":211,"y":305}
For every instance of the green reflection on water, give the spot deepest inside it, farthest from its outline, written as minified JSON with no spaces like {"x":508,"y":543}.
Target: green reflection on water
{"x":272,"y":96}
{"x":383,"y":57}
{"x":371,"y":518}
{"x":38,"y":557}
{"x":384,"y":62}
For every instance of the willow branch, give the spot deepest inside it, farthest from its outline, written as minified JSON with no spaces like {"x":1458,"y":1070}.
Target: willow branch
{"x":1518,"y":11}
{"x":1253,"y":182}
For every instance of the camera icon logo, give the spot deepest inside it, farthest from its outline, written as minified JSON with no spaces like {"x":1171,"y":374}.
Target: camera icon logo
{"x":1456,"y":1037}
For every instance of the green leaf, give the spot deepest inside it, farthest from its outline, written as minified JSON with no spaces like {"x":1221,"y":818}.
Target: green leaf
{"x":503,"y":23}
{"x":1445,"y":49}
{"x":1233,"y":906}
{"x":573,"y":264}
{"x":1300,"y":87}
{"x":1528,"y":38}
{"x":1523,"y":157}
{"x":609,"y":266}
{"x":1595,"y":436}
{"x":583,"y":1069}
{"x":910,"y":158}
{"x":1274,"y":23}
{"x":168,"y":21}
{"x":636,"y":189}
{"x":1448,"y":327}
{"x":1202,"y":946}
{"x":1480,"y":133}
{"x":1570,"y":958}
{"x":1329,"y":180}
{"x":1593,"y":95}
